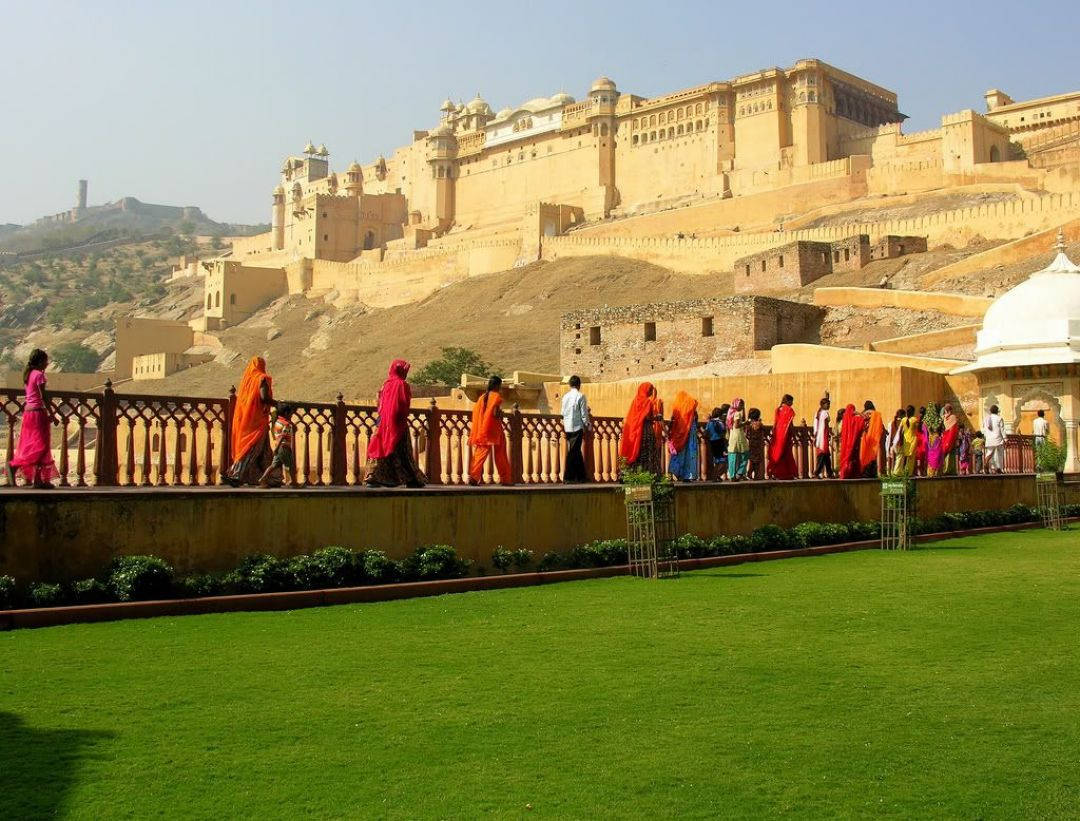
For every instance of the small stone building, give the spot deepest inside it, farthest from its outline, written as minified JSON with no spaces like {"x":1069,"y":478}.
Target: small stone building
{"x":802,"y":262}
{"x":614,"y":343}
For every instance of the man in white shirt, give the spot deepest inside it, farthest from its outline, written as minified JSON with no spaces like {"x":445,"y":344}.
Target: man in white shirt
{"x":575,"y":413}
{"x":994,"y":434}
{"x":1041,"y":428}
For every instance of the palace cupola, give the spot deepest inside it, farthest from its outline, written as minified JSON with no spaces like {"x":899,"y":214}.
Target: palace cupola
{"x":354,"y":179}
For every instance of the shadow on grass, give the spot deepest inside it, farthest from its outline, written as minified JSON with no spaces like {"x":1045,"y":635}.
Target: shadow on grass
{"x":38,"y":768}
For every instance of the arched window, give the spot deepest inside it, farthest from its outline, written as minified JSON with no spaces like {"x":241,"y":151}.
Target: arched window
{"x":679,"y":130}
{"x":652,"y":136}
{"x":697,"y":108}
{"x":635,"y":139}
{"x":232,"y":299}
{"x":652,"y":119}
{"x":603,"y":129}
{"x":217,"y":299}
{"x":995,"y":154}
{"x":369,"y":240}
{"x":697,"y":126}
{"x":671,"y":133}
{"x":209,"y":301}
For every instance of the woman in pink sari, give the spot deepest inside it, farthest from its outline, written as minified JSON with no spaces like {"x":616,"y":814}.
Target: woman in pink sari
{"x":33,"y":453}
{"x":390,"y":446}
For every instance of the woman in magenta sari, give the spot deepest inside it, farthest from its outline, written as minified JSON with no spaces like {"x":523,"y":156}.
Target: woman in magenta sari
{"x":33,"y":453}
{"x":390,"y":446}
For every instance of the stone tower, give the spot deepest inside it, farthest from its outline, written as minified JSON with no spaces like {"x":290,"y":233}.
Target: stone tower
{"x":80,"y":201}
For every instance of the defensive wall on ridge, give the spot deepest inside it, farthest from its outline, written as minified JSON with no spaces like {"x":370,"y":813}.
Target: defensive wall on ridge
{"x":213,"y":529}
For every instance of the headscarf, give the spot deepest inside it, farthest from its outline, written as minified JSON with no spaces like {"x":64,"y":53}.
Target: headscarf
{"x":733,"y":411}
{"x":641,"y":409}
{"x":486,"y":427}
{"x":948,"y":438}
{"x":683,"y":414}
{"x":250,"y":421}
{"x":871,"y":441}
{"x":849,"y":443}
{"x":395,"y":400}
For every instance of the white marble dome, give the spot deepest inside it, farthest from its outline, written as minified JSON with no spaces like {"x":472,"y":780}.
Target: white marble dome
{"x":1035,"y":323}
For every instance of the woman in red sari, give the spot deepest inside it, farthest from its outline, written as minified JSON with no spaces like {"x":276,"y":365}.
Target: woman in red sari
{"x":781,"y":450}
{"x":33,"y":453}
{"x":390,"y":447}
{"x":639,"y":445}
{"x":250,"y":435}
{"x":949,"y":440}
{"x":487,"y":436}
{"x":850,"y":439}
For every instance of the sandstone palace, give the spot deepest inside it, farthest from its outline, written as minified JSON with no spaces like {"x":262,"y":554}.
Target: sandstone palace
{"x":696,"y":180}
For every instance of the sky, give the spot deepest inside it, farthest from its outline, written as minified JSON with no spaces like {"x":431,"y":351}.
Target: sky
{"x":197,"y":103}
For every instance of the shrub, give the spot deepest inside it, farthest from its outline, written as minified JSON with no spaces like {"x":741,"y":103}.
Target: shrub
{"x":379,"y":568}
{"x":691,"y":546}
{"x":200,"y":584}
{"x":259,"y":573}
{"x":329,"y":567}
{"x":46,"y":595}
{"x":721,"y":546}
{"x":522,"y":558}
{"x":810,"y":534}
{"x":130,"y":578}
{"x":550,"y":561}
{"x":502,"y":558}
{"x":90,"y":591}
{"x":438,"y":561}
{"x":1050,"y":457}
{"x":607,"y":552}
{"x":7,"y":592}
{"x":768,"y":537}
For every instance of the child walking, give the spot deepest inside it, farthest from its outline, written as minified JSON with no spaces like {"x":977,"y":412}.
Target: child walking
{"x":281,"y":433}
{"x":717,"y":435}
{"x":755,"y":438}
{"x":33,"y":453}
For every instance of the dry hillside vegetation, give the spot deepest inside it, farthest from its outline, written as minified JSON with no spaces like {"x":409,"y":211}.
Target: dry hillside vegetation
{"x":510,"y":318}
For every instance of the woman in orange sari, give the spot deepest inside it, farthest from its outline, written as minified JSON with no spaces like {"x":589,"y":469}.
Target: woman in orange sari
{"x":873,"y":430}
{"x":486,"y":435}
{"x":781,"y":451}
{"x":250,"y":435}
{"x":638,"y":446}
{"x":850,"y":435}
{"x":683,"y":438}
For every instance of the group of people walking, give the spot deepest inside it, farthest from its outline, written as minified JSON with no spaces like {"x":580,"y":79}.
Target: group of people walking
{"x":736,"y":442}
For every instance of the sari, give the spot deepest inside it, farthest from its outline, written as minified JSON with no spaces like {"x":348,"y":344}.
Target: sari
{"x":683,"y":438}
{"x":638,"y":445}
{"x":781,"y":454}
{"x":850,"y":433}
{"x":949,"y":442}
{"x":963,"y":451}
{"x":486,"y":436}
{"x":871,"y":444}
{"x":394,"y":463}
{"x":33,"y":453}
{"x":250,"y":434}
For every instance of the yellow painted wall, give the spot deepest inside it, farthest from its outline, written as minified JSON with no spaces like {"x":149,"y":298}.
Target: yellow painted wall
{"x":74,"y":535}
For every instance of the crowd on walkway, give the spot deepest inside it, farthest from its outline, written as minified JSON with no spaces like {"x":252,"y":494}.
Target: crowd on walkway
{"x":733,"y":440}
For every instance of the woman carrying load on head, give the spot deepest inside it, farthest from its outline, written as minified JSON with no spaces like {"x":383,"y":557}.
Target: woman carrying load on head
{"x":486,"y":435}
{"x":390,"y":447}
{"x":250,"y":435}
{"x":639,"y":446}
{"x":683,"y":438}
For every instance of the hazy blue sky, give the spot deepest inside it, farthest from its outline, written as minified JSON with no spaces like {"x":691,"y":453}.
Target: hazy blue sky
{"x":196,"y":103}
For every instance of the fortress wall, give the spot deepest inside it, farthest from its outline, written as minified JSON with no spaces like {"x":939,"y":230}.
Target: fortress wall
{"x":504,"y":182}
{"x":257,"y":244}
{"x":929,"y":341}
{"x":956,"y":227}
{"x":955,"y":304}
{"x":684,"y":166}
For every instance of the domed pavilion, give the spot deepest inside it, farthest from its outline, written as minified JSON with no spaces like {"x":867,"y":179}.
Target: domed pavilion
{"x":1028,"y":353}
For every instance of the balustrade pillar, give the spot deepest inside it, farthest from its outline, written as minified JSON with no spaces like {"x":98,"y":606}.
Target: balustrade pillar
{"x":433,"y":457}
{"x":338,"y":448}
{"x":516,"y":439}
{"x":226,"y":460}
{"x":107,"y":474}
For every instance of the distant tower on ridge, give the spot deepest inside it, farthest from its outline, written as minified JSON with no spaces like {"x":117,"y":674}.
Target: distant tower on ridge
{"x":80,"y":203}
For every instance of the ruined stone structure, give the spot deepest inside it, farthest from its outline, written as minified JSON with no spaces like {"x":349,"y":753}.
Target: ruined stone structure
{"x":614,"y":343}
{"x":801,"y":262}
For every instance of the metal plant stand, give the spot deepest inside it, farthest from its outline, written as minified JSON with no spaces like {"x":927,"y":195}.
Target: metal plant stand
{"x":898,"y":512}
{"x":650,"y":532}
{"x":1048,"y":496}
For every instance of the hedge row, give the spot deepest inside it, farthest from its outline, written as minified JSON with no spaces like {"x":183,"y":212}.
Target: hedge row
{"x":137,"y":578}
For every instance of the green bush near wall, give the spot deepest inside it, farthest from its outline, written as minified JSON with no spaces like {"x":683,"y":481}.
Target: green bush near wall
{"x":140,"y":578}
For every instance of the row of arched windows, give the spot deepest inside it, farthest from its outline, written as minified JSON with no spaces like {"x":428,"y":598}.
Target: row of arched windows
{"x":680,"y":113}
{"x":671,"y":132}
{"x":215,"y":299}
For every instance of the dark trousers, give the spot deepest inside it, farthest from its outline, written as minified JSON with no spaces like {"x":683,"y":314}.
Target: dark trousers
{"x":575,"y":461}
{"x":824,"y":465}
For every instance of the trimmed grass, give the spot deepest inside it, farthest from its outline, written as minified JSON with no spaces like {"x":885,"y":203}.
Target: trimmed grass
{"x":941,"y":682}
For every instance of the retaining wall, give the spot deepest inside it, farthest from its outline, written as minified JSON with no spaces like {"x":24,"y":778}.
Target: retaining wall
{"x":74,"y":534}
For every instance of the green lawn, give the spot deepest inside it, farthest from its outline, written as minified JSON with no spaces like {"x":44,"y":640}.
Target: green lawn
{"x":941,"y":682}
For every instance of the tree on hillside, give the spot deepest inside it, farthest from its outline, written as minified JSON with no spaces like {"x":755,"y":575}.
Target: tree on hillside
{"x":75,"y":357}
{"x":447,"y":369}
